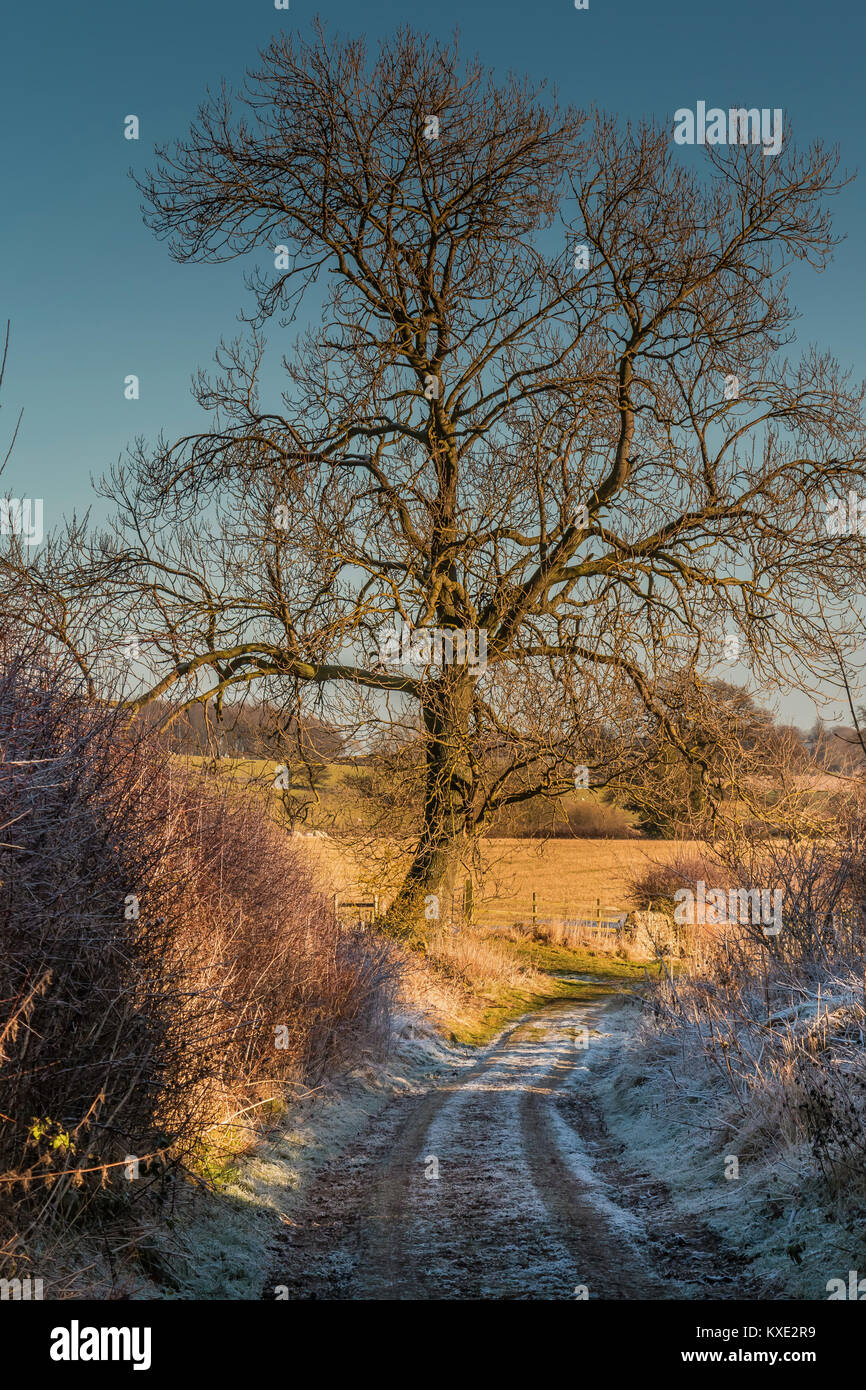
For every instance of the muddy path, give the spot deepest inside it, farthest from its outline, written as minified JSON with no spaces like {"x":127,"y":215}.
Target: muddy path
{"x":501,"y":1182}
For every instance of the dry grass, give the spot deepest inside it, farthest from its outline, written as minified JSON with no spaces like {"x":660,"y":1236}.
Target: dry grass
{"x":568,"y":876}
{"x":785,"y":1049}
{"x":612,"y":946}
{"x":477,"y":959}
{"x":468,"y":983}
{"x":779,"y":1024}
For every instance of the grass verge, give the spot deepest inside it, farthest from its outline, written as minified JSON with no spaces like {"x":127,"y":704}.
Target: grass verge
{"x":540,"y":974}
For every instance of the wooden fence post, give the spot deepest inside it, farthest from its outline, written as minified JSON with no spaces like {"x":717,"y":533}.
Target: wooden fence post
{"x":534,"y":907}
{"x":467,"y":900}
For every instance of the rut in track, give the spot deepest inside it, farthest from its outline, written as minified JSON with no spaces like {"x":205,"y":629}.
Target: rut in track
{"x":531,"y":1199}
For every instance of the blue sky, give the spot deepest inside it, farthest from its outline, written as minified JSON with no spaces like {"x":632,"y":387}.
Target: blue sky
{"x":93,"y":296}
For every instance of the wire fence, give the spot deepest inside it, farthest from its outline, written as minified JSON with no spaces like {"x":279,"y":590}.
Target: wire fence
{"x":527,"y":911}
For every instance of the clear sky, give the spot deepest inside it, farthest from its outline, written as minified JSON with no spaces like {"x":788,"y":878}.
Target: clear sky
{"x":93,"y":296}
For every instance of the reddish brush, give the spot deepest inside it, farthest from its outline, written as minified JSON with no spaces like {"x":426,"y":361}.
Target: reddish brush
{"x":165,"y":954}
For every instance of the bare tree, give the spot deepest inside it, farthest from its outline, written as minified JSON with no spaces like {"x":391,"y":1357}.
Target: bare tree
{"x":546,"y":402}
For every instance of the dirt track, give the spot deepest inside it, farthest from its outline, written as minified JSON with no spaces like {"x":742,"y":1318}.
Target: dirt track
{"x":531,"y":1200}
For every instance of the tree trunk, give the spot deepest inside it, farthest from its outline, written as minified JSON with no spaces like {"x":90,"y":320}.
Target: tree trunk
{"x":425,"y":892}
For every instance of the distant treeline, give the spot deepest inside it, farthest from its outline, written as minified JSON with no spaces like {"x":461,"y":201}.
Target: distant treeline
{"x":250,"y":731}
{"x":257,"y":731}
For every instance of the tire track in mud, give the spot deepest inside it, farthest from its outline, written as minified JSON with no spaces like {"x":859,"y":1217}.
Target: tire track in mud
{"x":579,"y":1207}
{"x":499,"y":1183}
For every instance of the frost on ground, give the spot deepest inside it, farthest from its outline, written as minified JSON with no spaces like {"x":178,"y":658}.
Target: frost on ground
{"x":220,"y":1249}
{"x":581,"y":1155}
{"x":499,"y":1181}
{"x":733,"y":1164}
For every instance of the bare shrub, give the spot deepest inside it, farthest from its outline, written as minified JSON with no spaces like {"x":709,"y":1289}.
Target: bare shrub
{"x":780,"y":1021}
{"x":165,"y":958}
{"x":579,"y":820}
{"x":820,"y":882}
{"x":85,"y":977}
{"x":652,"y":885}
